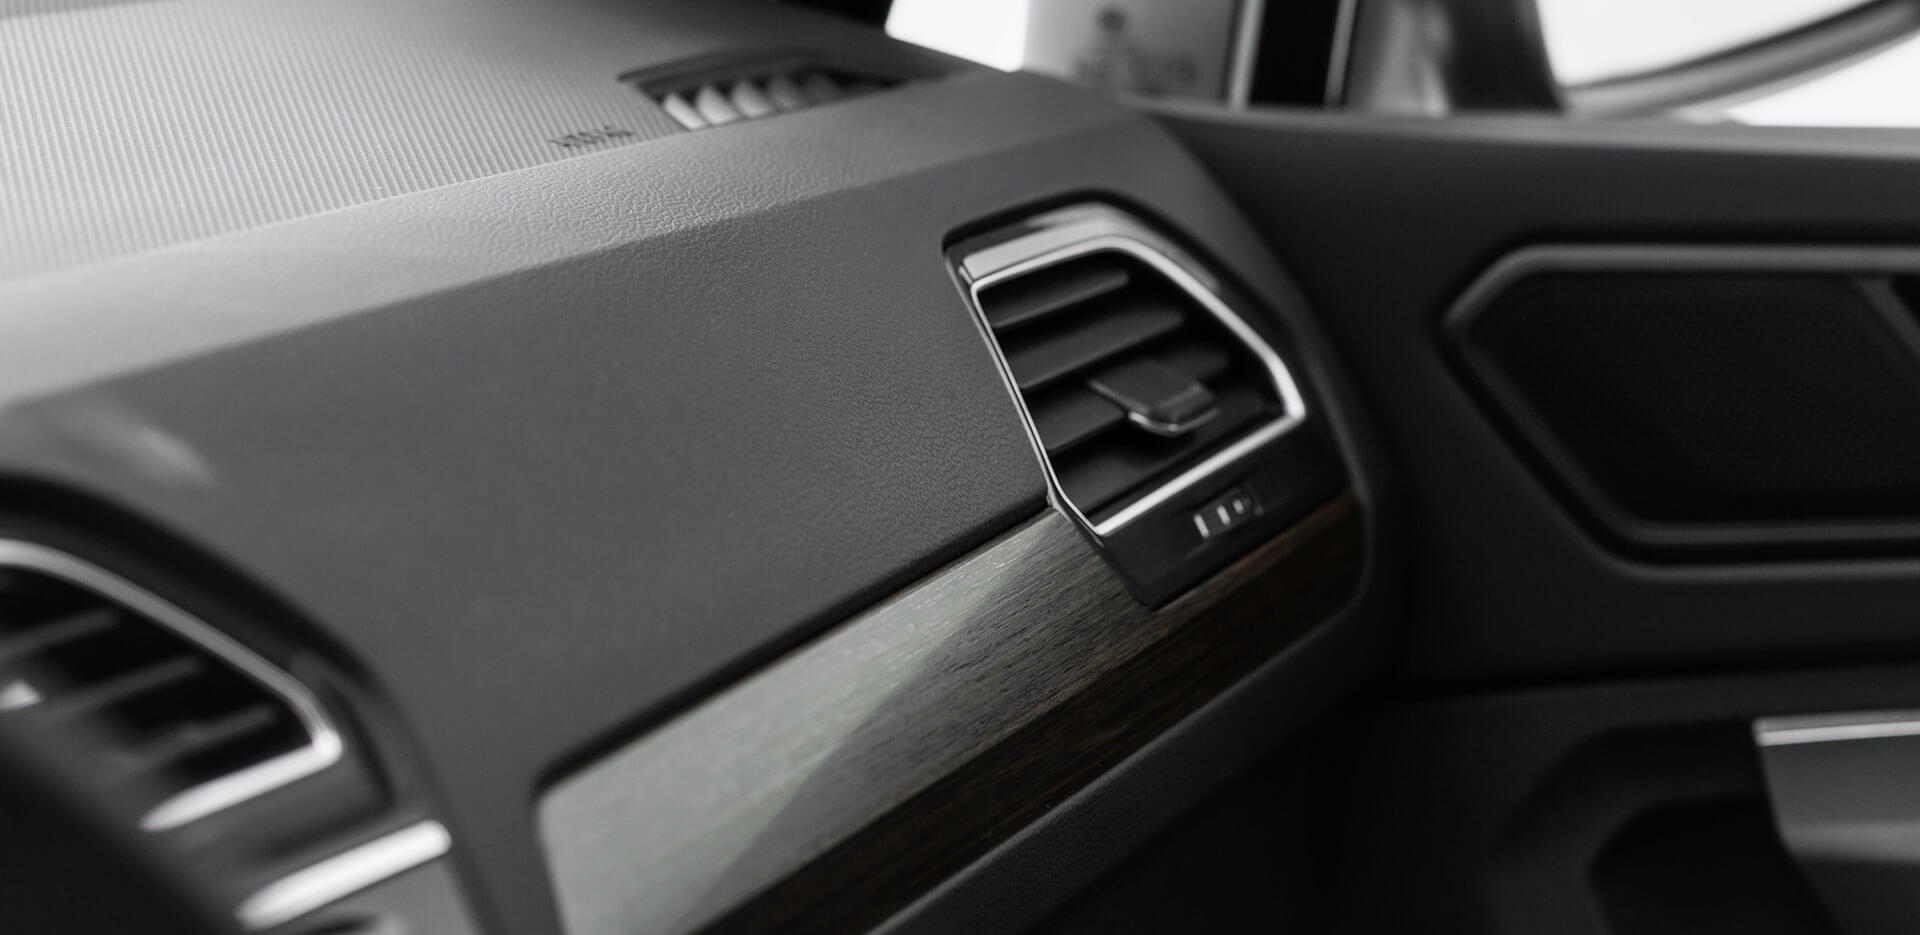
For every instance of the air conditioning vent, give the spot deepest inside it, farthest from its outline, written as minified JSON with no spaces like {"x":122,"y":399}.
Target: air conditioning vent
{"x":1169,"y":428}
{"x":716,"y":101}
{"x":1128,"y":378}
{"x":180,"y":716}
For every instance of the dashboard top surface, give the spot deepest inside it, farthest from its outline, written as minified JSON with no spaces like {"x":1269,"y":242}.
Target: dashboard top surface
{"x":546,"y":443}
{"x":138,"y":125}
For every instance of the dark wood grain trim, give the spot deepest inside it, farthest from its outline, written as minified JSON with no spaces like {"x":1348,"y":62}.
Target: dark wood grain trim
{"x":832,"y":787}
{"x":1207,"y":640}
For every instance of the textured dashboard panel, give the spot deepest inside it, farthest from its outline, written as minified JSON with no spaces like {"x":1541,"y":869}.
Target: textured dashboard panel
{"x":138,"y":125}
{"x":549,"y":453}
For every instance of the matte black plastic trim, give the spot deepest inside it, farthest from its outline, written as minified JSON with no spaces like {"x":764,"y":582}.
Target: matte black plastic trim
{"x":1841,"y":788}
{"x":1614,"y":522}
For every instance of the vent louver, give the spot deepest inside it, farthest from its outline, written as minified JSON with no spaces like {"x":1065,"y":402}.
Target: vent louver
{"x":178,"y":715}
{"x":1127,"y":377}
{"x":720,"y":101}
{"x":1169,"y":428}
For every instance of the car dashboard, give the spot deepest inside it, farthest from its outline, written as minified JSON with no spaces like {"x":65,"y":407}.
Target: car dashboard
{"x":670,"y":467}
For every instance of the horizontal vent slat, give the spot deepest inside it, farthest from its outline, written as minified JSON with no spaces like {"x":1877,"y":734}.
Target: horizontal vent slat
{"x":682,"y":110}
{"x":820,"y":87}
{"x":1100,"y":475}
{"x":749,"y":101}
{"x":60,"y":631}
{"x":1056,"y":350}
{"x":1129,"y":376}
{"x":786,"y":94}
{"x":714,"y":107}
{"x":152,"y":700}
{"x":195,"y":739}
{"x":1071,"y":415}
{"x":1195,"y":358}
{"x":1031,"y":298}
{"x":125,"y":686}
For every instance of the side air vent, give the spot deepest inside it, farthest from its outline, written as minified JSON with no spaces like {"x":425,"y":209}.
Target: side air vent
{"x":1127,"y":377}
{"x":1165,"y":422}
{"x":722,"y":99}
{"x":179,"y":715}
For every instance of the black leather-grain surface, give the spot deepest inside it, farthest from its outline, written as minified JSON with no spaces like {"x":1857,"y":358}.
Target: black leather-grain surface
{"x":548,"y":452}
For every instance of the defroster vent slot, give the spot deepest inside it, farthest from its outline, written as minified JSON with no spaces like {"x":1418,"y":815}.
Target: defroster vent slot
{"x":714,"y":97}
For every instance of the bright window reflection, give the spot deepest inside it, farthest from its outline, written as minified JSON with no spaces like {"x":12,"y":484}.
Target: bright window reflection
{"x":1877,"y":91}
{"x":1591,"y":40}
{"x":1587,"y":40}
{"x":991,"y":32}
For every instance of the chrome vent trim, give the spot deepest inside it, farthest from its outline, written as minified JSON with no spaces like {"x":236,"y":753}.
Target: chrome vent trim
{"x":324,"y":744}
{"x":1082,"y":231}
{"x":343,"y":874}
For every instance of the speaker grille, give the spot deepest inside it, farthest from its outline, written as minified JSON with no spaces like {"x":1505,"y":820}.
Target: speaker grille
{"x":1713,"y":399}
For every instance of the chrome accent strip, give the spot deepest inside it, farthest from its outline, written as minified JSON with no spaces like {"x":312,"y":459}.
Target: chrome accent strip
{"x":324,"y":746}
{"x":220,"y":794}
{"x":343,"y":874}
{"x":1832,"y":728}
{"x":1246,"y":52}
{"x":1075,"y":232}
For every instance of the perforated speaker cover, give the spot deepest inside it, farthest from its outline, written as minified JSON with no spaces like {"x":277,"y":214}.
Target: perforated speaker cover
{"x":1717,"y":406}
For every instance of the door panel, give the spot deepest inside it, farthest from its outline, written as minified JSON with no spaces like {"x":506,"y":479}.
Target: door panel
{"x":1387,"y":222}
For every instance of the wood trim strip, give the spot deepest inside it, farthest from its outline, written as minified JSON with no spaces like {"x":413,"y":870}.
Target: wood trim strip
{"x":828,"y":790}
